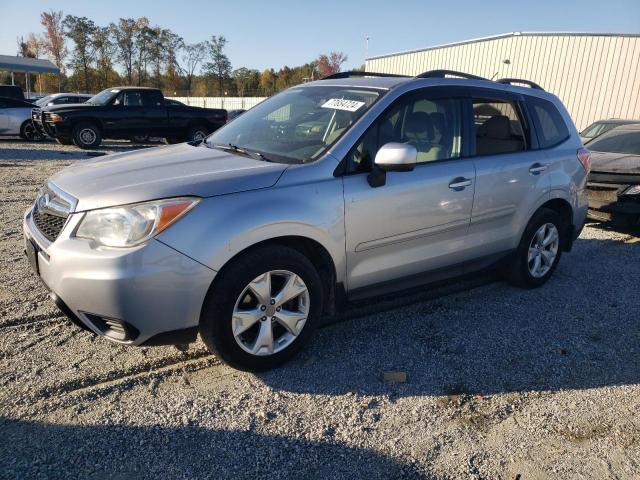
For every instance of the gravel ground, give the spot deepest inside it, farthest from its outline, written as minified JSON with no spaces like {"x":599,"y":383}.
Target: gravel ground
{"x":501,"y":382}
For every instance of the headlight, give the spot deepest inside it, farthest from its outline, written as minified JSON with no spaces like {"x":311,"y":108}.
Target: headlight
{"x":635,"y":190}
{"x":134,"y":224}
{"x":55,"y":118}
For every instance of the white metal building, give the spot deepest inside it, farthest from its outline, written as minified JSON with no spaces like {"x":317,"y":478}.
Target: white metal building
{"x":596,"y":75}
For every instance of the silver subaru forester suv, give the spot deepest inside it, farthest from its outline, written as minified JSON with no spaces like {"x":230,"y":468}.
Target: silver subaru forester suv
{"x":339,"y":189}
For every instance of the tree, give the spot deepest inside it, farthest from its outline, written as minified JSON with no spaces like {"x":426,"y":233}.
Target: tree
{"x":54,"y":36}
{"x":285,"y":78}
{"x":193,"y":54}
{"x":23,"y":48}
{"x":173,"y":44}
{"x":219,"y":66}
{"x":144,"y":38}
{"x":268,"y":80}
{"x":124,"y":33}
{"x":330,"y":64}
{"x":104,"y":43}
{"x":81,"y":30}
{"x":245,"y":81}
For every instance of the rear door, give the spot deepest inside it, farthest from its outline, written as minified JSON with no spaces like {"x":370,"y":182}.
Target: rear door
{"x":512,"y":175}
{"x":418,"y":220}
{"x":155,"y":113}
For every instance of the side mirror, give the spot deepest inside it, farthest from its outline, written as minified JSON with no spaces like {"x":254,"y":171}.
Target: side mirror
{"x":392,"y":157}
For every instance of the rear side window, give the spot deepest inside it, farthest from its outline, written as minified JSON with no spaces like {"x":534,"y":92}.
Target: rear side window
{"x":498,"y":127}
{"x":550,"y":126}
{"x":151,"y":98}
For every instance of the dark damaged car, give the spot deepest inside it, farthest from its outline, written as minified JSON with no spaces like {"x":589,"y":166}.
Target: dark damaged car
{"x":614,"y":182}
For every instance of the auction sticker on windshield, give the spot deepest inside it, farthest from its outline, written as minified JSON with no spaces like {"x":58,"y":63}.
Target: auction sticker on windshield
{"x":342,"y":104}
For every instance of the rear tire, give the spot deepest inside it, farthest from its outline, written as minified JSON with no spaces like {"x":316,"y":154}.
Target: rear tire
{"x":541,"y":246}
{"x":87,"y":135}
{"x":239,"y":343}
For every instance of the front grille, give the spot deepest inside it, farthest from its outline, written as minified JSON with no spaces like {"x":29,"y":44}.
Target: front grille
{"x":49,"y":225}
{"x":50,"y":211}
{"x":46,"y":116}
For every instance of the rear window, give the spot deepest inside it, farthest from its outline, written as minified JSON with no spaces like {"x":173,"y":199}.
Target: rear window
{"x":550,"y":126}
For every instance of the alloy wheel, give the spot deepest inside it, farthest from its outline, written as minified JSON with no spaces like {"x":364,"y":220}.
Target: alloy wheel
{"x":543,"y":250}
{"x":87,"y":136}
{"x":199,"y":135}
{"x":270,"y":313}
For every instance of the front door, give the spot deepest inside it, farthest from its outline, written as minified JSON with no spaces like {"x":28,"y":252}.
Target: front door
{"x":128,"y":114}
{"x":418,"y":220}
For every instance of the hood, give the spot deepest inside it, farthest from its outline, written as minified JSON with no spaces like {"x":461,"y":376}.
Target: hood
{"x":163,"y":172}
{"x":615,"y":162}
{"x":67,"y":106}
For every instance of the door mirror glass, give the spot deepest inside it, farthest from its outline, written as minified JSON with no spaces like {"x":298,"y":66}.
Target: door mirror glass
{"x":396,"y":157}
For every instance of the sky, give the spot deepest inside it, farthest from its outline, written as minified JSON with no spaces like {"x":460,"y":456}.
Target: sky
{"x":272,"y":34}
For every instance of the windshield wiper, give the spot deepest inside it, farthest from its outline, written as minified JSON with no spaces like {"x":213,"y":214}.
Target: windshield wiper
{"x":230,"y":147}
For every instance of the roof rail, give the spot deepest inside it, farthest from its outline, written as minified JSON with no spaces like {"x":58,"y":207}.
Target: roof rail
{"x":513,"y":81}
{"x":452,"y":73}
{"x":354,"y":73}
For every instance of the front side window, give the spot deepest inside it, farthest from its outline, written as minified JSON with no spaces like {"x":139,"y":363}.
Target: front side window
{"x":617,"y":141}
{"x":431,"y":125}
{"x":498,"y":128}
{"x":297,"y":125}
{"x":129,"y":99}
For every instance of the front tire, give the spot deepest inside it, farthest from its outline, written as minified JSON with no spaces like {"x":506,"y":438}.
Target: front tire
{"x":539,"y":250}
{"x":262,"y":309}
{"x":197,"y":133}
{"x":87,"y":135}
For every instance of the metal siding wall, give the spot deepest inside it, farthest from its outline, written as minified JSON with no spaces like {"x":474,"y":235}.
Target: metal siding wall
{"x":596,"y":76}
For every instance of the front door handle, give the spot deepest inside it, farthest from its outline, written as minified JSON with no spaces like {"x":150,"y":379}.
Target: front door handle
{"x":459,"y":183}
{"x":537,"y":168}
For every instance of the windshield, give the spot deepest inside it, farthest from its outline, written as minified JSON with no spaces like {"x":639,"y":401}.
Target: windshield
{"x":103,"y":97}
{"x":44,"y":100}
{"x":297,"y":125}
{"x":617,"y":141}
{"x":597,"y":129}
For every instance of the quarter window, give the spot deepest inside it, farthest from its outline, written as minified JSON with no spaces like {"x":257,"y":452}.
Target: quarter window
{"x":550,"y":126}
{"x":498,"y":128}
{"x":433,"y":126}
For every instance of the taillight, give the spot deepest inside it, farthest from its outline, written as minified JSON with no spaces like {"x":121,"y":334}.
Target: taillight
{"x":584,"y":155}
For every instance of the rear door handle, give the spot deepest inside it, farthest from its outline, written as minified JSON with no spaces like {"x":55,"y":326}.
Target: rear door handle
{"x":537,"y":168}
{"x":459,"y":183}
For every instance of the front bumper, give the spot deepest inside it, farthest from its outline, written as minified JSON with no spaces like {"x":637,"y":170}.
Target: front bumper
{"x":132,"y":296}
{"x":609,"y":198}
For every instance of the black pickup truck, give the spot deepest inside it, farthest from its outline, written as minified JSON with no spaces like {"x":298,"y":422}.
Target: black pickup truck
{"x":127,"y":113}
